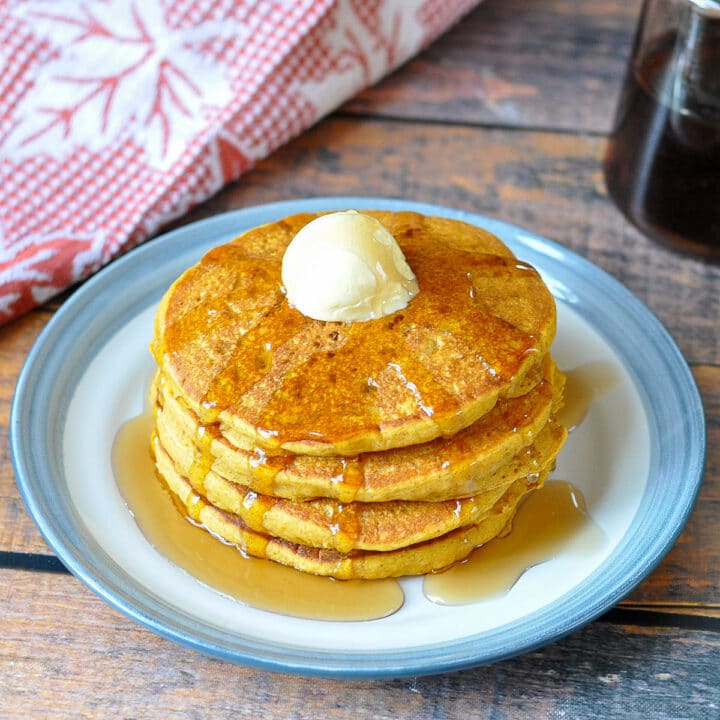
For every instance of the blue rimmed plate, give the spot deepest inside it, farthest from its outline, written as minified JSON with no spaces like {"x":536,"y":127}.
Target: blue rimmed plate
{"x":638,"y":459}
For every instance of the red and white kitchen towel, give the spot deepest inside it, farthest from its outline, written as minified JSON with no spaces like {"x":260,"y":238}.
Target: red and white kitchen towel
{"x":118,"y":115}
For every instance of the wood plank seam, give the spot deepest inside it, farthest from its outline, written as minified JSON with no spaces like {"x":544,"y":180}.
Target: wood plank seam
{"x":35,"y":562}
{"x":395,"y":119}
{"x":619,"y":615}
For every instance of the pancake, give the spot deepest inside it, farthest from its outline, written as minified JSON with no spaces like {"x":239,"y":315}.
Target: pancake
{"x":368,"y":449}
{"x":327,"y":523}
{"x":464,"y":464}
{"x":242,"y":356}
{"x":417,"y":559}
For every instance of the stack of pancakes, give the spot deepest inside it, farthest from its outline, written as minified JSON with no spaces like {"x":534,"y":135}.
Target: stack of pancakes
{"x":357,"y":450}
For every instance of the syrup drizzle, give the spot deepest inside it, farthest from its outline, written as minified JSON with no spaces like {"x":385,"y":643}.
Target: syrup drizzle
{"x":259,"y":583}
{"x":551,"y":520}
{"x":345,"y":478}
{"x":217,"y":331}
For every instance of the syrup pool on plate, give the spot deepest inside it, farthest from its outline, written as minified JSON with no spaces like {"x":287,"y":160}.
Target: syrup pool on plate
{"x":260,"y":583}
{"x":550,"y":520}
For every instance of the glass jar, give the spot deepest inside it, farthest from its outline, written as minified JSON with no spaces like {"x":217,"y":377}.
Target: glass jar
{"x":662,"y":163}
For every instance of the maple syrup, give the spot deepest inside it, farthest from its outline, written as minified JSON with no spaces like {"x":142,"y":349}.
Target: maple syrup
{"x":550,"y":520}
{"x":583,"y":386}
{"x":242,"y":352}
{"x":259,"y":583}
{"x":662,"y":164}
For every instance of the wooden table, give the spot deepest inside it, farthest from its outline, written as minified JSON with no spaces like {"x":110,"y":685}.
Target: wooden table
{"x":505,"y":115}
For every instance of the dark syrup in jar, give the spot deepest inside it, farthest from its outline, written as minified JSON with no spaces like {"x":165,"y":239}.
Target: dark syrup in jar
{"x":662,"y":165}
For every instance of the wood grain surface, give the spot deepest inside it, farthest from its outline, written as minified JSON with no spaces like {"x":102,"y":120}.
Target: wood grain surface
{"x":507,"y":62}
{"x":505,"y":115}
{"x":607,"y":670}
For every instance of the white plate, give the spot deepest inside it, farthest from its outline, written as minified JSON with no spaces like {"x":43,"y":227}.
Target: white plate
{"x":637,"y":458}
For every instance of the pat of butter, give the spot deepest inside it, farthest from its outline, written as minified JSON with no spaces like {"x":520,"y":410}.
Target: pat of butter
{"x":346,"y":267}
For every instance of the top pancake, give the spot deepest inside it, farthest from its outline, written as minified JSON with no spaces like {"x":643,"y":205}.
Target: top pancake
{"x":228,"y":339}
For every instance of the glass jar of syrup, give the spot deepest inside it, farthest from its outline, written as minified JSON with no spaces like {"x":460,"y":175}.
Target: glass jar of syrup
{"x":662,"y":164}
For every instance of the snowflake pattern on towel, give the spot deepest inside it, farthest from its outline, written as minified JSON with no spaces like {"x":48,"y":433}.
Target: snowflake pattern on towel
{"x":117,"y":116}
{"x":119,"y":71}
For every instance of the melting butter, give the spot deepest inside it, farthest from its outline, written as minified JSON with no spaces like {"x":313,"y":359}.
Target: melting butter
{"x":346,"y":267}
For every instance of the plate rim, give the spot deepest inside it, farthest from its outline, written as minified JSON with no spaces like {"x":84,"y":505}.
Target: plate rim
{"x":460,"y":654}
